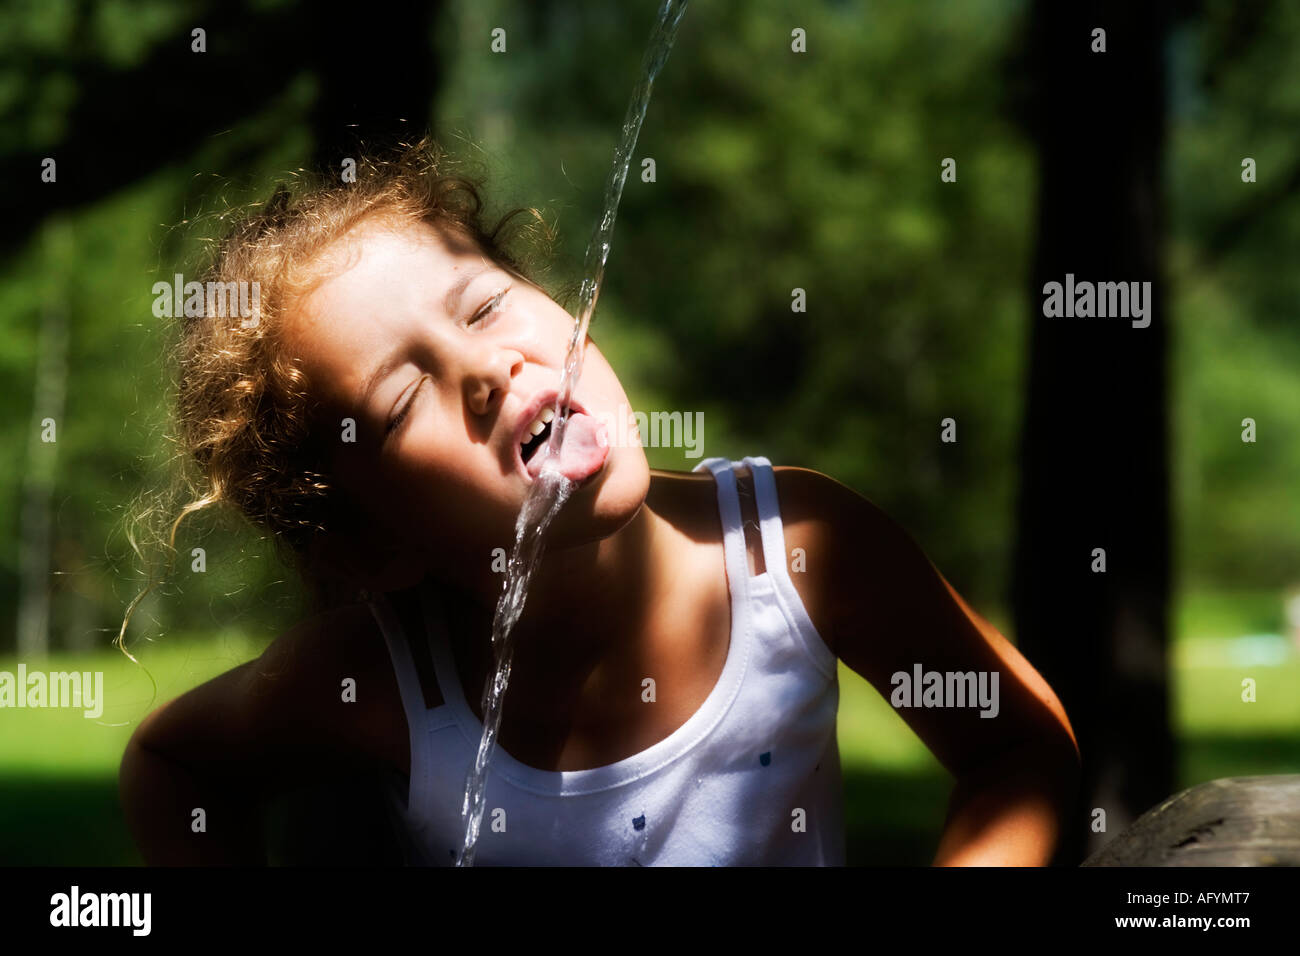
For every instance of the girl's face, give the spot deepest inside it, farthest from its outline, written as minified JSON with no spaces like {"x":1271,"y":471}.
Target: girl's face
{"x":443,"y":359}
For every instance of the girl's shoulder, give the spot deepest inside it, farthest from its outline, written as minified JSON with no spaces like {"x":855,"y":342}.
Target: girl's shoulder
{"x":834,"y":538}
{"x":803,"y":494}
{"x":335,"y":665}
{"x":856,"y":560}
{"x":319,"y":701}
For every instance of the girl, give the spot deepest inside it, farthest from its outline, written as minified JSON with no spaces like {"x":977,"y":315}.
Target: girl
{"x":673,"y":695}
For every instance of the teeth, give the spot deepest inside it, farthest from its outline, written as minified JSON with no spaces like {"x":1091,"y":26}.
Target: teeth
{"x":544,"y":418}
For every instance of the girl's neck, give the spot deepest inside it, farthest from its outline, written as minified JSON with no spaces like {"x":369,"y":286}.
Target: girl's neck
{"x":584,"y":602}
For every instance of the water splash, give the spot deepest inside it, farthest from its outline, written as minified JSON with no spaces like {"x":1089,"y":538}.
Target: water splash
{"x":551,"y":490}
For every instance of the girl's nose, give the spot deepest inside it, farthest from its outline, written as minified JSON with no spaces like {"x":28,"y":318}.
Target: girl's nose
{"x":487,"y":377}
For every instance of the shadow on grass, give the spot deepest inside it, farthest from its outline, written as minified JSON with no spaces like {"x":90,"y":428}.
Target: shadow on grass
{"x":891,"y":818}
{"x":1212,"y":757}
{"x":63,"y":821}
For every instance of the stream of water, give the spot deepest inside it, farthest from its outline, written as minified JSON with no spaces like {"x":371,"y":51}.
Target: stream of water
{"x":551,"y":490}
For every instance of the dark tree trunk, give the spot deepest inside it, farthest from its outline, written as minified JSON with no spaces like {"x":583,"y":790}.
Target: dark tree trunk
{"x":1094,"y":459}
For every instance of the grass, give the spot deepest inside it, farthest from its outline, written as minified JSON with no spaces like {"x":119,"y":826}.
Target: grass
{"x":58,"y":769}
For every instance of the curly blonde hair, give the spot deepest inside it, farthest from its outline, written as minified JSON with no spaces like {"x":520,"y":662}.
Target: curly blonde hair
{"x":243,"y":407}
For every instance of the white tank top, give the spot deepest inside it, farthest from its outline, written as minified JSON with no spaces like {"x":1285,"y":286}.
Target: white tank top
{"x":752,"y":778}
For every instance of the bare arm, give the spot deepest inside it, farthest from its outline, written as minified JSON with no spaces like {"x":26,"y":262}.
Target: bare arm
{"x":883,"y":609}
{"x":1008,"y":809}
{"x":164,"y":781}
{"x":228,"y":746}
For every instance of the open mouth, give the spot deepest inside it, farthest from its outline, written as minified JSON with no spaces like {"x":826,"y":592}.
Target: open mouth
{"x":541,"y":433}
{"x":586,"y":442}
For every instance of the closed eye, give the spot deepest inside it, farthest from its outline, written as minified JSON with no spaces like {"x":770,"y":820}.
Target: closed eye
{"x":401,"y":416}
{"x":492,"y":305}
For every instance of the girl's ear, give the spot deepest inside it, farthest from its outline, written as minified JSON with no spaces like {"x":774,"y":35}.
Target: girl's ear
{"x":357,"y":556}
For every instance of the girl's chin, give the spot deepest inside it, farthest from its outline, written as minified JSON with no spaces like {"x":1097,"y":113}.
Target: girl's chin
{"x":605,"y":502}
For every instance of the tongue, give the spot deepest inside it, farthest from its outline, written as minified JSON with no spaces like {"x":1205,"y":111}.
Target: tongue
{"x":586,"y":444}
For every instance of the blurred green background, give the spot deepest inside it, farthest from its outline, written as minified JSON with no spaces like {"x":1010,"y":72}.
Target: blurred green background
{"x":818,"y":171}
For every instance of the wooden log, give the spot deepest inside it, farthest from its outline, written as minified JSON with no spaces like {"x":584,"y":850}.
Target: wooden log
{"x":1236,"y":821}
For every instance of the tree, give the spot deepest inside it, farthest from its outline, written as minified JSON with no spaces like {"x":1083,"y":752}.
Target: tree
{"x":1094,"y":460}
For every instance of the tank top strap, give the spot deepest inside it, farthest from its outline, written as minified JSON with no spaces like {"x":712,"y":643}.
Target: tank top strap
{"x":769,"y":513}
{"x":772,"y":530}
{"x":408,"y":686}
{"x":399,"y":649}
{"x":733,"y":532}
